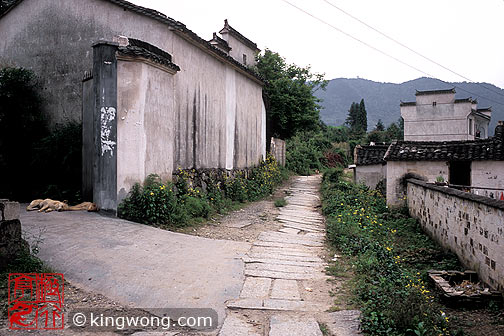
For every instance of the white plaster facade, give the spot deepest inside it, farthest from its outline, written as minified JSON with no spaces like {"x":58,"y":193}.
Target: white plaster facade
{"x":438,"y":116}
{"x":210,"y":114}
{"x":397,"y":170}
{"x":370,"y":175}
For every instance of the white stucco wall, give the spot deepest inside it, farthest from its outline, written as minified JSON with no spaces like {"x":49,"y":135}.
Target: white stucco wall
{"x":238,"y":49}
{"x":396,"y":170}
{"x":370,"y":175}
{"x":444,"y":121}
{"x":145,"y":124}
{"x":55,"y":37}
{"x":488,"y":174}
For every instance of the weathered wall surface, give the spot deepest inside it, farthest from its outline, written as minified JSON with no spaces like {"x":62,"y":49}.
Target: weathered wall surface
{"x":396,"y":170}
{"x":370,"y":175}
{"x":471,"y":226}
{"x":488,"y":174}
{"x":59,"y":50}
{"x":145,"y":125}
{"x":277,"y":149}
{"x":444,"y":121}
{"x":238,"y":49}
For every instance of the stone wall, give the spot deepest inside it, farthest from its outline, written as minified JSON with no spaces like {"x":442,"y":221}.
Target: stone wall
{"x":469,"y":225}
{"x":11,"y":242}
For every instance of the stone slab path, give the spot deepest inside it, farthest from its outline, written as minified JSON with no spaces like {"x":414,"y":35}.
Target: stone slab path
{"x":138,"y":265}
{"x":278,"y":268}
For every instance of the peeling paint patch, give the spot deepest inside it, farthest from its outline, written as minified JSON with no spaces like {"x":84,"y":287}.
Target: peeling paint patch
{"x":108,"y":114}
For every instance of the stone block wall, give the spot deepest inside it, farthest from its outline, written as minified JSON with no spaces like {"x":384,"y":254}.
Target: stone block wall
{"x":11,"y":242}
{"x":469,"y":225}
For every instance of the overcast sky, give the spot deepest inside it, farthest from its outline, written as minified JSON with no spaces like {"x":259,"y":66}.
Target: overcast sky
{"x":466,"y":36}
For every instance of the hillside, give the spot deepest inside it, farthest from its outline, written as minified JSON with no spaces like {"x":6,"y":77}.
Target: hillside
{"x":382,"y":99}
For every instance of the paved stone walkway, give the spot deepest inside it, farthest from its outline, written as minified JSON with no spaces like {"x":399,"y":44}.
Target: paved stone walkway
{"x":138,"y":265}
{"x":278,"y":266}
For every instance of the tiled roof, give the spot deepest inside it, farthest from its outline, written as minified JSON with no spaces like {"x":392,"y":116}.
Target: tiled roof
{"x":220,"y":42}
{"x":485,"y":109}
{"x":466,"y":100}
{"x":228,"y":29}
{"x":143,"y":49}
{"x":370,"y":155}
{"x":469,"y":150}
{"x":180,"y":29}
{"x":429,"y":92}
{"x":479,"y":114}
{"x":407,"y":103}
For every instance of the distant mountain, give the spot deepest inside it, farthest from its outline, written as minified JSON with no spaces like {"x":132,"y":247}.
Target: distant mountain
{"x":383,"y":99}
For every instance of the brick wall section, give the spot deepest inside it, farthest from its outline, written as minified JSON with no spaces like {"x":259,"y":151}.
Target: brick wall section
{"x":469,"y":225}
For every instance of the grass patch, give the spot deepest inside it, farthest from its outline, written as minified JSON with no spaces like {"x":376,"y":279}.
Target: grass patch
{"x":389,"y":257}
{"x":280,"y":202}
{"x":23,"y":263}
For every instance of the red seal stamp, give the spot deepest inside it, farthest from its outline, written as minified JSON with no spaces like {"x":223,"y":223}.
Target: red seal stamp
{"x":35,"y":301}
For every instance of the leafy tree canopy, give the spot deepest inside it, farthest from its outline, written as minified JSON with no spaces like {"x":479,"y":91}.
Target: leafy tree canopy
{"x":289,"y":89}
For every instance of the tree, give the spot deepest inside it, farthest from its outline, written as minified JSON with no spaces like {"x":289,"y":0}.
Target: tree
{"x":395,"y":131}
{"x":21,"y":126}
{"x":291,"y":105}
{"x":357,"y":119}
{"x":362,"y":117}
{"x":379,"y":126}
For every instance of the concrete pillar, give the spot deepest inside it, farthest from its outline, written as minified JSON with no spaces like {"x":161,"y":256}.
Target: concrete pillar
{"x":105,"y":125}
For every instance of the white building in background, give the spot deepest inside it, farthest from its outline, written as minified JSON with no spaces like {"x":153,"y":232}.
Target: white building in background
{"x":437,"y":116}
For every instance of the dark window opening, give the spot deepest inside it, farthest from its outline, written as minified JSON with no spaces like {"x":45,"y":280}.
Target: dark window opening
{"x":434,"y":103}
{"x":244,"y":59}
{"x":460,"y":173}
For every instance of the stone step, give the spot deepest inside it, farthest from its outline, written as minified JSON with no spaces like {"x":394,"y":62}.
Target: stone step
{"x":303,"y":227}
{"x":278,"y":234}
{"x":284,"y":268}
{"x":280,"y":257}
{"x":274,"y":304}
{"x":302,"y":247}
{"x":234,"y":325}
{"x":290,"y":240}
{"x":256,"y":288}
{"x":278,"y":251}
{"x":283,"y":262}
{"x":283,"y":275}
{"x":285,"y":290}
{"x":281,"y":325}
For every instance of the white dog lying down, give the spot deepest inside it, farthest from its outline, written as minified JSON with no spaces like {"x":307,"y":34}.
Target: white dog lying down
{"x":48,"y":205}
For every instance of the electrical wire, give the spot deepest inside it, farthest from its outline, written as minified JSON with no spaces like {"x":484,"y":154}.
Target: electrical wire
{"x":408,"y":48}
{"x":380,"y":51}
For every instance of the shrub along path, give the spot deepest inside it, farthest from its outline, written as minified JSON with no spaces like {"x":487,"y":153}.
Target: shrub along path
{"x":285,"y":278}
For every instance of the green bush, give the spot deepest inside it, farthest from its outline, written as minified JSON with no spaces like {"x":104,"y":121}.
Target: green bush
{"x":153,"y":203}
{"x":168,"y":204}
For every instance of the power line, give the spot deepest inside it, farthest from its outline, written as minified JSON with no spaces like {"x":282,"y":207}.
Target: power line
{"x":379,"y":50}
{"x":410,"y":49}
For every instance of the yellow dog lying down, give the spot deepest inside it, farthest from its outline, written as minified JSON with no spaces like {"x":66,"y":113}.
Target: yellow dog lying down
{"x":48,"y":205}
